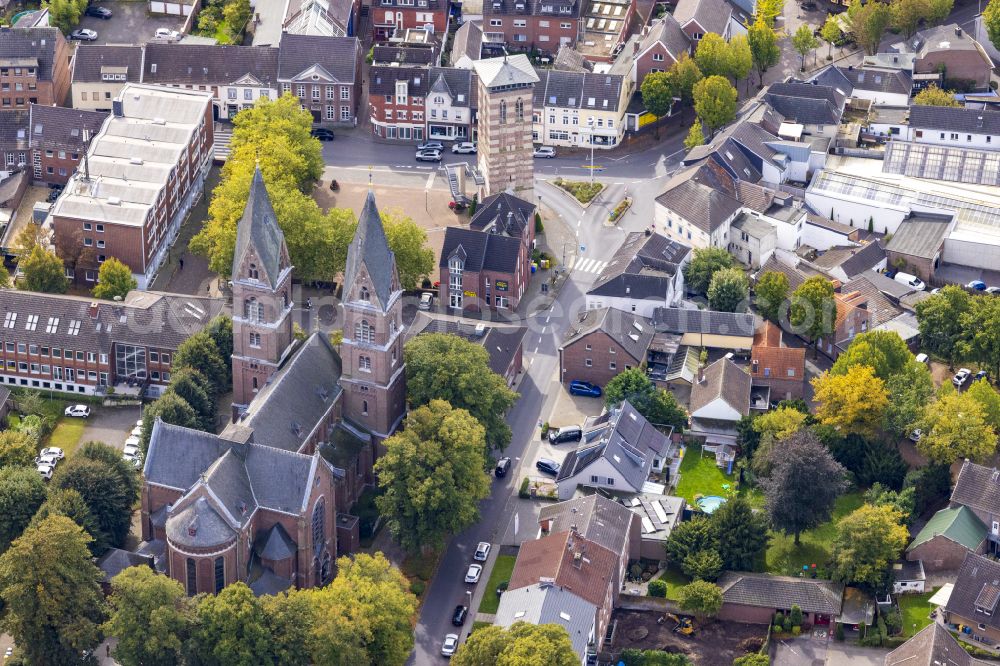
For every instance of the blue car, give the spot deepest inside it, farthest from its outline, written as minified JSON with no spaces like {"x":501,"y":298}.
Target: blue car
{"x":577,"y":387}
{"x":977,"y":285}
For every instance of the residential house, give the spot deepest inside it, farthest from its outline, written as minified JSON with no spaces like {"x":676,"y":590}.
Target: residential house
{"x":99,"y":72}
{"x":144,"y":171}
{"x":752,"y":240}
{"x":772,"y":364}
{"x":397,"y":101}
{"x":451,"y":104}
{"x":601,"y":343}
{"x":390,"y":16}
{"x":942,"y":544}
{"x":918,"y":244}
{"x":846,"y":262}
{"x":662,"y":45}
{"x":618,"y":455}
{"x":946,"y":54}
{"x":75,"y":344}
{"x":403,"y":54}
{"x":470,"y":44}
{"x":973,"y":600}
{"x":719,"y":399}
{"x":851,"y":317}
{"x":579,"y":108}
{"x":57,"y":139}
{"x":978,"y":488}
{"x":14,"y":143}
{"x":507,"y":215}
{"x":954,"y":126}
{"x":884,"y":87}
{"x":754,"y":598}
{"x":908,"y":577}
{"x":546,"y":602}
{"x":658,"y":515}
{"x":698,"y":206}
{"x":540,"y":24}
{"x":697,"y":18}
{"x":817,"y":108}
{"x":933,"y":645}
{"x":646,"y":272}
{"x":707,"y":328}
{"x":34,"y":67}
{"x":482,"y":271}
{"x":324,"y":73}
{"x":504,"y":343}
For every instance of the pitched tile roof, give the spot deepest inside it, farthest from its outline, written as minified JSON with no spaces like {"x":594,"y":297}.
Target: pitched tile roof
{"x":549,"y":604}
{"x":14,"y":128}
{"x":568,"y":560}
{"x":37,"y":43}
{"x":722,"y":379}
{"x":115,"y":560}
{"x":681,"y":320}
{"x":468,"y":42}
{"x":955,"y":119}
{"x":711,"y":15}
{"x":595,"y":517}
{"x":568,"y":59}
{"x":632,"y":332}
{"x":774,"y":592}
{"x":502,"y":342}
{"x":460,"y":84}
{"x":481,"y":250}
{"x":382,"y":79}
{"x":879,"y":308}
{"x":258,"y":231}
{"x":275,"y":544}
{"x":642,"y":267}
{"x":931,"y":646}
{"x":370,"y":249}
{"x":61,"y":127}
{"x":403,"y":55}
{"x":503,"y":213}
{"x":806,"y":103}
{"x":770,"y":360}
{"x":207,"y":64}
{"x":666,"y":31}
{"x":848,"y":79}
{"x":976,"y":591}
{"x":978,"y":488}
{"x":958,"y":524}
{"x":90,"y":59}
{"x":852,"y":260}
{"x":337,"y":56}
{"x":920,"y":236}
{"x":577,"y":90}
{"x":702,"y":195}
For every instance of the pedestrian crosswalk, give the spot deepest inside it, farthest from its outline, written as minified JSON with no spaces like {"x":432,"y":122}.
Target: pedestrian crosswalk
{"x":586,"y":265}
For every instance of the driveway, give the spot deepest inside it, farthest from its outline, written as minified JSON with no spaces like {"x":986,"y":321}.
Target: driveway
{"x":811,"y":651}
{"x":110,"y":425}
{"x":131,"y":24}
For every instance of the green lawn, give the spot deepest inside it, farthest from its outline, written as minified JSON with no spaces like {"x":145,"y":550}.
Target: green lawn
{"x":675,"y":580}
{"x":67,"y":434}
{"x":700,"y":476}
{"x":502,"y":569}
{"x":916,"y":611}
{"x":784,"y":557}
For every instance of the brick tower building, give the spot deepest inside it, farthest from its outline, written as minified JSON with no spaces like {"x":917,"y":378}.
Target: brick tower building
{"x":262,"y":297}
{"x":373,"y":380}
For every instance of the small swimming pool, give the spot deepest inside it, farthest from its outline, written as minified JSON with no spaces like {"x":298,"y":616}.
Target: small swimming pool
{"x":710,"y":503}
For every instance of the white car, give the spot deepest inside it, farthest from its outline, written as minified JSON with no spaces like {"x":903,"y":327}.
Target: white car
{"x":545,"y":151}
{"x":916,"y":435}
{"x":45,"y":470}
{"x":473,"y":574}
{"x":450,"y":645}
{"x":426,"y":299}
{"x":482,"y":552}
{"x":46,"y":460}
{"x":79,"y":411}
{"x":430,"y":145}
{"x":430,"y":155}
{"x":464,"y":148}
{"x":166,"y":33}
{"x":132,"y":450}
{"x":132,"y":441}
{"x":53,"y":451}
{"x":136,"y":431}
{"x":961,"y":377}
{"x":138,"y":424}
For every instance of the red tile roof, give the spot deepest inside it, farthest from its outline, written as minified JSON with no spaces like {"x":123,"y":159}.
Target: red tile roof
{"x":570,"y":561}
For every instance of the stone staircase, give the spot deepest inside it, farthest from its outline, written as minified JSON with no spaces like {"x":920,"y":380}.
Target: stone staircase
{"x":220,"y":150}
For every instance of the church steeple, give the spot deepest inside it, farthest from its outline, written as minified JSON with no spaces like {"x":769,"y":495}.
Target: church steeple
{"x":370,"y":262}
{"x":258,"y":232}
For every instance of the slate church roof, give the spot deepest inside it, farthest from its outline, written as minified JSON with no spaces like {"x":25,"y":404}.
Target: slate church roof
{"x":258,"y":228}
{"x":370,"y":249}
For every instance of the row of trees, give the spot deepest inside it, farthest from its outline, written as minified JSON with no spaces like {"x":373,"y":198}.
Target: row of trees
{"x":713,"y":273}
{"x":868,"y":22}
{"x":957,"y":326}
{"x":276,"y":136}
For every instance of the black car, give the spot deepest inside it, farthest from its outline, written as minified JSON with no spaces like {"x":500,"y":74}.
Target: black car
{"x":548,"y":466}
{"x":458,"y":617}
{"x":565,"y":434}
{"x":99,"y":12}
{"x":503,"y":465}
{"x":322,"y":134}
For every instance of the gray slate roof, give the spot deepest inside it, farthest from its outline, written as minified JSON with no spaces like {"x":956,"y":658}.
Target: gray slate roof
{"x":60,"y":127}
{"x":595,"y":517}
{"x":978,"y":488}
{"x":955,"y":119}
{"x":568,"y":59}
{"x":880,"y":309}
{"x":460,"y":84}
{"x":723,"y":379}
{"x":781,"y":592}
{"x":371,"y":250}
{"x":711,"y":15}
{"x":577,"y":90}
{"x":258,"y":229}
{"x":115,"y":560}
{"x":931,"y":646}
{"x":806,"y":103}
{"x":468,"y":41}
{"x":896,"y":81}
{"x":199,"y":525}
{"x":977,"y":588}
{"x":549,"y":604}
{"x":852,"y":260}
{"x":14,"y":129}
{"x":403,"y":54}
{"x":206,"y":64}
{"x":503,"y":213}
{"x":275,"y":545}
{"x":920,"y":236}
{"x":680,"y":320}
{"x":642,"y":267}
{"x":338,"y":56}
{"x":481,"y":250}
{"x":632,"y":332}
{"x":666,"y":31}
{"x":37,"y":43}
{"x":382,"y":79}
{"x":702,"y":194}
{"x":90,"y":58}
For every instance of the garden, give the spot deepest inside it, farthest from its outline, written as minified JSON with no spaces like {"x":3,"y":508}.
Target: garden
{"x":582,"y":191}
{"x":500,"y":576}
{"x":42,"y":420}
{"x":916,"y":611}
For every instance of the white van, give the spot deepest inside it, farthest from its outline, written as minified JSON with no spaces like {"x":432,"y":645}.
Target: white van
{"x":923,"y":358}
{"x":910,"y":280}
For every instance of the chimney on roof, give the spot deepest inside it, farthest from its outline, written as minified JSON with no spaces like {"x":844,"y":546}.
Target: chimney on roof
{"x":116,"y":108}
{"x":94,"y":309}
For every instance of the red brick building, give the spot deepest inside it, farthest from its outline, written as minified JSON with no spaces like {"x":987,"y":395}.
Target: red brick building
{"x":602,"y":343}
{"x":781,"y":368}
{"x":396,"y":101}
{"x":324,"y":73}
{"x":34,"y":67}
{"x":545,"y":25}
{"x":56,"y":139}
{"x":388,"y":16}
{"x":481,"y":271}
{"x":662,"y":46}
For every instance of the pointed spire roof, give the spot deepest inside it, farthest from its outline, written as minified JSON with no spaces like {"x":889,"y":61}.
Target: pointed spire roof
{"x":258,"y":228}
{"x":371,"y":249}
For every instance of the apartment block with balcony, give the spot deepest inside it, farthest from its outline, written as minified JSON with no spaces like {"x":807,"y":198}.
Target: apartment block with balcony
{"x":545,"y":25}
{"x":388,"y":16}
{"x":396,"y":101}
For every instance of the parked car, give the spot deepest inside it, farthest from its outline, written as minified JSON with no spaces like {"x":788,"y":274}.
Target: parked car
{"x":923,"y":358}
{"x":46,"y":460}
{"x":482,"y":551}
{"x":993,"y":290}
{"x":909,"y":280}
{"x":83,"y":35}
{"x":464,"y":148}
{"x":547,"y":152}
{"x":916,"y":435}
{"x":547,"y":466}
{"x":979,"y":375}
{"x":450,"y":645}
{"x":78,"y":411}
{"x":426,"y":299}
{"x":428,"y":155}
{"x":473,"y":574}
{"x":132,"y":441}
{"x":565,"y":434}
{"x":136,"y":432}
{"x":53,"y":195}
{"x":53,"y":451}
{"x":976,"y":285}
{"x":808,"y":6}
{"x":458,"y":617}
{"x":576,"y":387}
{"x":99,"y":12}
{"x":503,"y":465}
{"x":132,"y":450}
{"x":45,"y":470}
{"x":961,"y":377}
{"x":430,"y":145}
{"x":321,"y":133}
{"x":166,"y":33}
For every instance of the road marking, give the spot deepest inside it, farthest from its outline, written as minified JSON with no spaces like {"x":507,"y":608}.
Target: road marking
{"x":586,"y":265}
{"x":536,"y":350}
{"x":530,"y":361}
{"x":547,"y":319}
{"x":543,"y":328}
{"x":430,"y":180}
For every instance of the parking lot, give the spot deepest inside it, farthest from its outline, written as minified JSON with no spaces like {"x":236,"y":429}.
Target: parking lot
{"x":569,"y":410}
{"x":131,"y":23}
{"x":110,"y":425}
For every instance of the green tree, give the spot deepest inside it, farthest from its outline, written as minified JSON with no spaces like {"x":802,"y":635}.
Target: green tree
{"x":16,"y":449}
{"x":883,"y":351}
{"x":108,"y":484}
{"x":682,"y":77}
{"x":804,"y":43}
{"x":21,"y":493}
{"x":803,"y":485}
{"x":67,"y":502}
{"x":220,"y":329}
{"x":657,"y":96}
{"x":812,"y":309}
{"x":43,"y":272}
{"x":414,"y":260}
{"x":201,"y":353}
{"x":939,"y":10}
{"x":691,"y":537}
{"x":446,"y":367}
{"x":940,"y":320}
{"x":729,"y":290}
{"x":982,"y":341}
{"x":150,"y":616}
{"x":712,"y":56}
{"x":780,"y":423}
{"x":519,"y":645}
{"x":934,"y":96}
{"x":907,"y":14}
{"x":365,"y":616}
{"x":658,"y":406}
{"x":831,"y":33}
{"x":909,"y":391}
{"x":768,"y":11}
{"x":715,"y":102}
{"x":743,"y":534}
{"x":701,"y":598}
{"x":852,"y":403}
{"x":194,"y":389}
{"x":771,"y":295}
{"x":991,"y":20}
{"x":752,"y":659}
{"x":988,"y":398}
{"x":763,"y":47}
{"x":703,"y":565}
{"x":868,"y":22}
{"x":868,"y":540}
{"x":231,"y":628}
{"x":52,"y":602}
{"x":236,"y":14}
{"x":696,"y":136}
{"x":954,"y":427}
{"x":114,"y":279}
{"x":904,"y":501}
{"x":292,"y":620}
{"x":64,"y":14}
{"x":170,"y":408}
{"x":740,"y":58}
{"x":432,"y":475}
{"x":704,"y":263}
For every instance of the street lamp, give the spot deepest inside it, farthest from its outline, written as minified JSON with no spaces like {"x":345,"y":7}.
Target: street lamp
{"x":590,"y":124}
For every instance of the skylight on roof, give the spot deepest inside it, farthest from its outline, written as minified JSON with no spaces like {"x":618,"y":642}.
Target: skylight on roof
{"x":10,"y":319}
{"x":74,"y":327}
{"x":53,"y":325}
{"x":637,"y":326}
{"x":32,"y":323}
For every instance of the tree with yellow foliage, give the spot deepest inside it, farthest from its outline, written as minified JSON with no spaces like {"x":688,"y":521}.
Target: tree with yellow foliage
{"x":852,"y":403}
